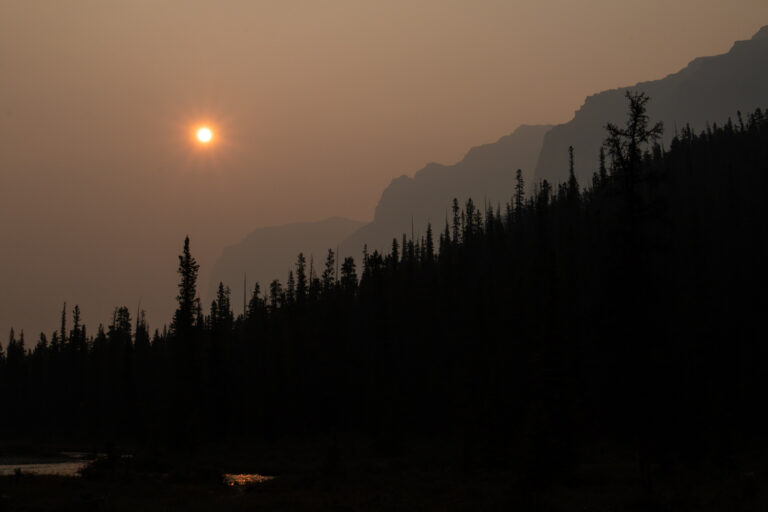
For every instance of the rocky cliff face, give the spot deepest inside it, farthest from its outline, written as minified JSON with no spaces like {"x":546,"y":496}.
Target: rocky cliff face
{"x":709,"y":89}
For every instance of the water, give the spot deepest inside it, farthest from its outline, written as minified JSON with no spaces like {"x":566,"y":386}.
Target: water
{"x":246,"y":479}
{"x":68,"y":464}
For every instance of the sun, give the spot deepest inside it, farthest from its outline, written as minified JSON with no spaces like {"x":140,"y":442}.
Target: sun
{"x":204,"y":134}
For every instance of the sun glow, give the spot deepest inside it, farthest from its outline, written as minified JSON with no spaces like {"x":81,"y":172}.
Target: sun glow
{"x":204,"y":135}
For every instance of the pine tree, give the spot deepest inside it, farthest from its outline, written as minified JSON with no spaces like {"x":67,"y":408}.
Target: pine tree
{"x":119,"y":331}
{"x":456,"y":221}
{"x":302,"y":285}
{"x":141,"y":336}
{"x":430,"y":245}
{"x":329,"y":273}
{"x":255,"y":304}
{"x":348,"y":276}
{"x":40,"y":349}
{"x":573,"y":184}
{"x":77,"y":334}
{"x":188,"y":310}
{"x":519,"y":194}
{"x":222,"y":318}
{"x":290,"y":290}
{"x":276,"y":295}
{"x":394,"y":255}
{"x":63,"y":331}
{"x":625,"y":145}
{"x":603,"y":172}
{"x":469,"y":225}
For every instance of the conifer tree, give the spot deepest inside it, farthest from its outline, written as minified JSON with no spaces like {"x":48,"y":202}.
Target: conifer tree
{"x":625,"y":145}
{"x":394,"y":255}
{"x":141,"y":335}
{"x":63,"y":331}
{"x":222,"y":317}
{"x":329,"y":272}
{"x":290,"y":290}
{"x":77,"y":334}
{"x":456,"y":221}
{"x":603,"y":172}
{"x":302,"y":285}
{"x":348,"y":276}
{"x":275,"y":295}
{"x":188,"y":310}
{"x":519,"y":194}
{"x":255,"y":304}
{"x":429,"y":245}
{"x":40,"y":348}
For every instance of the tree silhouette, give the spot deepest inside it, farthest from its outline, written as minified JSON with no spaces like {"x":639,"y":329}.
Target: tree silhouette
{"x":519,"y":193}
{"x":566,"y":334}
{"x":302,"y":283}
{"x":625,"y":145}
{"x":329,"y":273}
{"x":188,"y":309}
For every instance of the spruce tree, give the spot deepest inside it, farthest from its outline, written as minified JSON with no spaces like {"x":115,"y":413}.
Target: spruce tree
{"x":430,"y":245}
{"x":348,"y":276}
{"x":519,"y":194}
{"x":302,"y":285}
{"x":290,"y":289}
{"x":255,"y":304}
{"x":188,"y":309}
{"x":329,"y":272}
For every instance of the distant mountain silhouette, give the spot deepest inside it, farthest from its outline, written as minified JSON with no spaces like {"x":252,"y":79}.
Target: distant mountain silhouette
{"x":708,"y":89}
{"x":486,"y":174}
{"x":269,"y":253}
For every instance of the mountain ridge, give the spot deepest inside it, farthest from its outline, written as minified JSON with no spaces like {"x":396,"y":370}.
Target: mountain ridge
{"x":485,"y":173}
{"x":708,"y":89}
{"x":269,"y":252}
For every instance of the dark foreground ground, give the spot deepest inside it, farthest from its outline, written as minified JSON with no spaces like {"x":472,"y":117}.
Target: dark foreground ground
{"x":427,"y":478}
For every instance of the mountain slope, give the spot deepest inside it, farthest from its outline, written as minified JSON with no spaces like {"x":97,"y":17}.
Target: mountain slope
{"x":708,"y":89}
{"x":269,"y":253}
{"x":486,"y":173}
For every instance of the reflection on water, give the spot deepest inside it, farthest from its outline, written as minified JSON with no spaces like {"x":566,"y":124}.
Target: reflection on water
{"x":70,"y":464}
{"x":245,"y":479}
{"x":8,"y":466}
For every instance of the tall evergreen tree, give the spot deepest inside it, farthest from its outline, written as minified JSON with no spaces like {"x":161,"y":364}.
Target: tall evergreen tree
{"x":429,"y":247}
{"x":394,"y":254}
{"x":63,"y":330}
{"x":255,"y":304}
{"x":602,"y":171}
{"x":456,"y":220}
{"x":519,"y":194}
{"x":573,"y":185}
{"x":625,"y":145}
{"x":188,"y":309}
{"x":275,"y":295}
{"x":329,"y":273}
{"x":302,"y":284}
{"x":348,"y":276}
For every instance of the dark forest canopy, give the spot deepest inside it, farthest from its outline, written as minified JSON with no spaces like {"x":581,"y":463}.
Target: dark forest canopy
{"x":626,"y":309}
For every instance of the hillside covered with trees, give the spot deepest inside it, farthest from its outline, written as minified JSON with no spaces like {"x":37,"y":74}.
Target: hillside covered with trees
{"x":627,"y":311}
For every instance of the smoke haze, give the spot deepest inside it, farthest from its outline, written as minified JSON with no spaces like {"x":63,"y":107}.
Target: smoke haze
{"x":316,"y":106}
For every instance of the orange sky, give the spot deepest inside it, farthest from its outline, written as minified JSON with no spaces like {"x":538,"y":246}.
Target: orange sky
{"x":316,"y":105}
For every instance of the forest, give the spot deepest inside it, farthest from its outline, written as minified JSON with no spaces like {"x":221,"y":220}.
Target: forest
{"x":625,"y":312}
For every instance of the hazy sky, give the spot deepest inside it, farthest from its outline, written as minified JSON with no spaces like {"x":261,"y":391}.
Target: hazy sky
{"x":316,"y":106}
